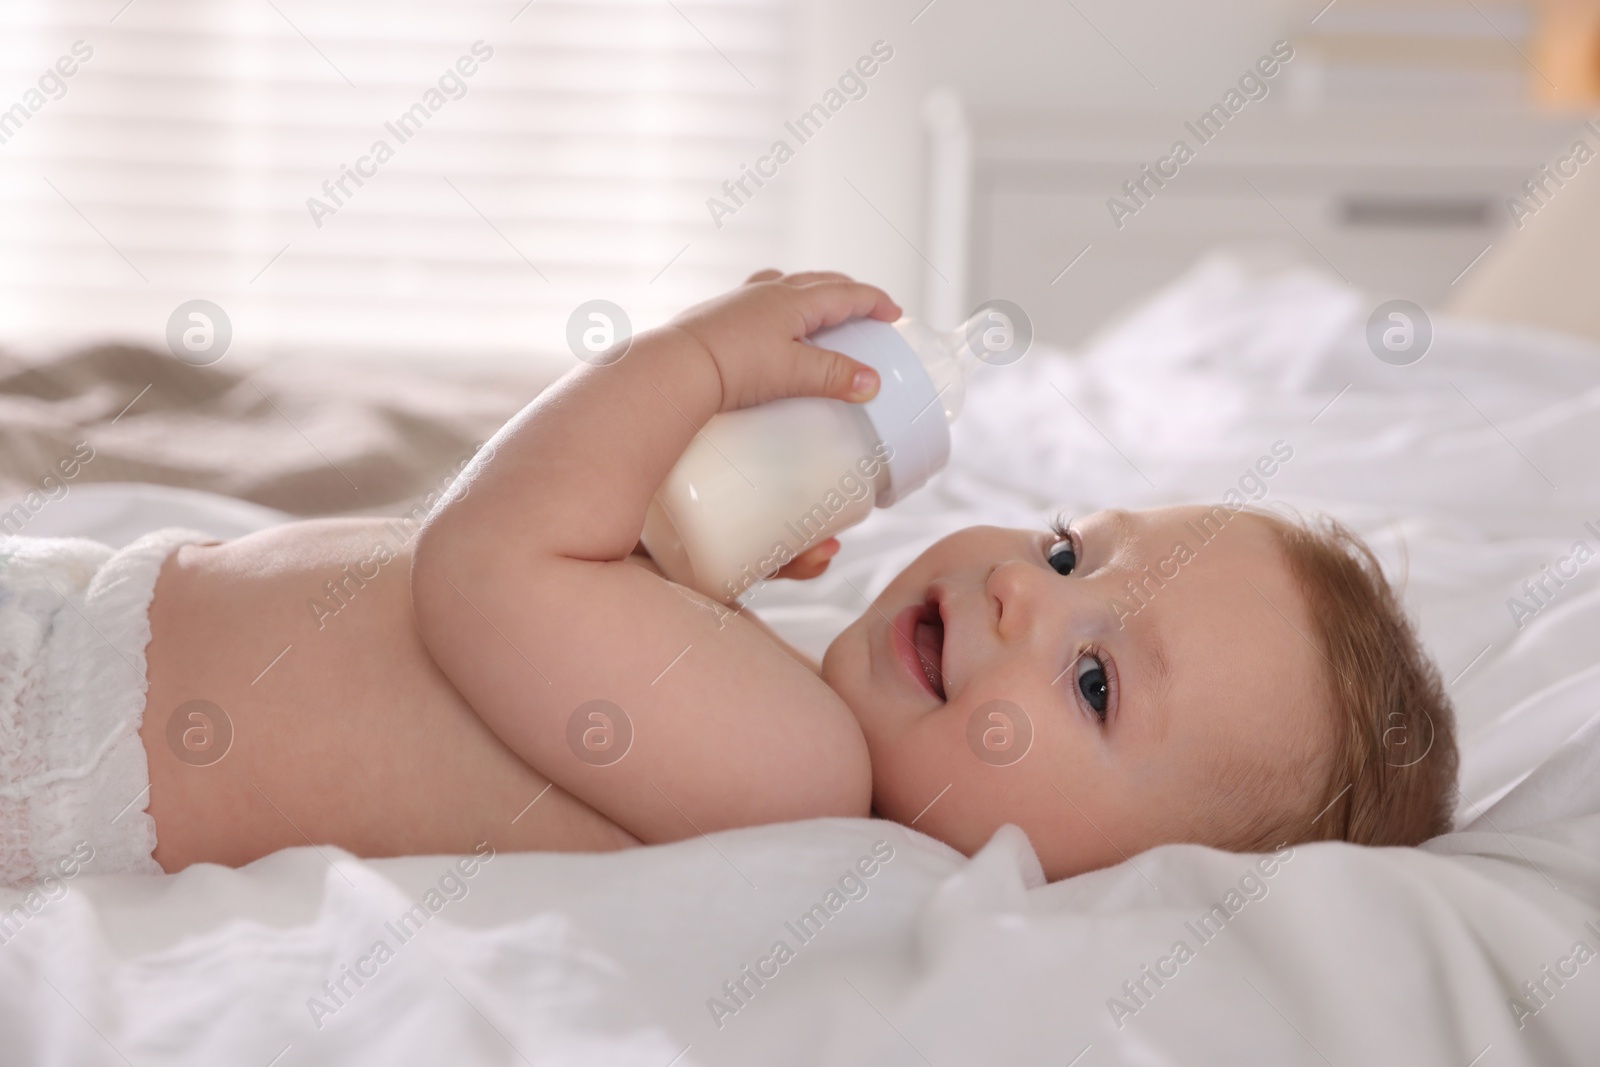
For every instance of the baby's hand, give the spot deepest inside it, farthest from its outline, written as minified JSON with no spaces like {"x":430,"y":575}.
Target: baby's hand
{"x":755,"y":336}
{"x":812,"y":562}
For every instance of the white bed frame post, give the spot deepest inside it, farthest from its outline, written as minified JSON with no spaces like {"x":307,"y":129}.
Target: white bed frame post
{"x":949,"y":189}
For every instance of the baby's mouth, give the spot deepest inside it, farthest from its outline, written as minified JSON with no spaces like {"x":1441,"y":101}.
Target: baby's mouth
{"x":928,"y":639}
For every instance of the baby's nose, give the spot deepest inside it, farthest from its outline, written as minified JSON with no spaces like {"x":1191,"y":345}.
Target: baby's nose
{"x":1018,"y":588}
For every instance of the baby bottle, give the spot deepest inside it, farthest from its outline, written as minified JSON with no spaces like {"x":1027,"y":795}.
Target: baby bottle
{"x":758,"y":486}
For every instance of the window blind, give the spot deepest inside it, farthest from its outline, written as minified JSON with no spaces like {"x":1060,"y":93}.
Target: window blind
{"x":401,"y":179}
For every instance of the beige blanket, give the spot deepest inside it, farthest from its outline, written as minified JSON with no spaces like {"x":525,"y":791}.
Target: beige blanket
{"x":309,"y":438}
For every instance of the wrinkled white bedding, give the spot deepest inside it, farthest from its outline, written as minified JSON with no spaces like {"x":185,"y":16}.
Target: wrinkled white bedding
{"x":1477,"y":461}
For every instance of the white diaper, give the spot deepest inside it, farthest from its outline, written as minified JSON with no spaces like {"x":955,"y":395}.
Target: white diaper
{"x":74,"y":623}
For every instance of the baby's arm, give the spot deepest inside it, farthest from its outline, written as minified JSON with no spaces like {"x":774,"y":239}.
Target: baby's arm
{"x":523,"y":595}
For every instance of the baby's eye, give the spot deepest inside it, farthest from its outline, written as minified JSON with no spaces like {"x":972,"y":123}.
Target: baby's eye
{"x":1092,"y":684}
{"x":1062,"y":557}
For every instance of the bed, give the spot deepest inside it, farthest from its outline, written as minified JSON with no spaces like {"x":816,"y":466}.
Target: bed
{"x":1470,"y":471}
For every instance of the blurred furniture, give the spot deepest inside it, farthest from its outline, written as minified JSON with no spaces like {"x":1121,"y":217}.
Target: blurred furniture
{"x":1397,"y":201}
{"x":1386,"y":153}
{"x":1544,"y":274}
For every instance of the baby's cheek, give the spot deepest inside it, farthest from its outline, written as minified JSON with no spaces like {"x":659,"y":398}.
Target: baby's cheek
{"x":847,"y":669}
{"x":931,"y":781}
{"x":910,"y":768}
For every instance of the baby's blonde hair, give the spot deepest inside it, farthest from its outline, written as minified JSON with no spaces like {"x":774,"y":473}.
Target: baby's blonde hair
{"x":1390,"y":777}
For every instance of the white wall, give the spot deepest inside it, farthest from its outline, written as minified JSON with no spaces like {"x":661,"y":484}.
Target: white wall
{"x":1002,"y":53}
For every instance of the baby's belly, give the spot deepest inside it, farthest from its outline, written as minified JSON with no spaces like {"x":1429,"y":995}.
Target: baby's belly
{"x":299,"y":641}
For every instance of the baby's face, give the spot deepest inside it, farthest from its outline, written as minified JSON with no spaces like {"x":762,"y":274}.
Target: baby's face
{"x":993,"y":688}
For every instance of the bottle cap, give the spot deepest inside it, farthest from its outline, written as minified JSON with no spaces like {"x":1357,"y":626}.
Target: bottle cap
{"x":906,"y":414}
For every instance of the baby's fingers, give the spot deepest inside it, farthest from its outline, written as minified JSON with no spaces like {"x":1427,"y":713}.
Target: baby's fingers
{"x":824,"y":372}
{"x":828,"y":303}
{"x":812,"y":562}
{"x":809,"y":277}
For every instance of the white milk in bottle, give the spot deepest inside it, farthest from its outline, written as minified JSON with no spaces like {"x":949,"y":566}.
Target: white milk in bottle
{"x":759,"y":486}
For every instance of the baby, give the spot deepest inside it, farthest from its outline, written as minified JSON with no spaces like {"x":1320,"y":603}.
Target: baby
{"x":520,"y":674}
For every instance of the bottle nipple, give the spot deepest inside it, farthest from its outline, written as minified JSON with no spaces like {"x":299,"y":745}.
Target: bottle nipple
{"x":941,"y":356}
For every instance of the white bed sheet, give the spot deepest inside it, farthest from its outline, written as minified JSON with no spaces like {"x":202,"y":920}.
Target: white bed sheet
{"x":1475,"y":461}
